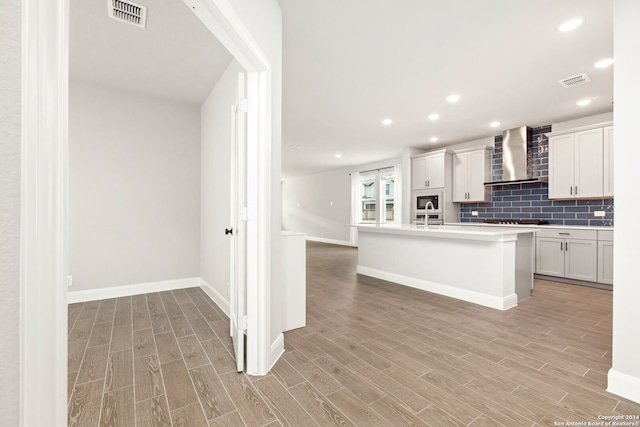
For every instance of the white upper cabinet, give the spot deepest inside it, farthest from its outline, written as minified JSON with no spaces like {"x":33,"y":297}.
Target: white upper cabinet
{"x":435,"y":171}
{"x":419,"y":173}
{"x":471,"y":169}
{"x":608,"y":162}
{"x":428,"y":171}
{"x":576,"y":165}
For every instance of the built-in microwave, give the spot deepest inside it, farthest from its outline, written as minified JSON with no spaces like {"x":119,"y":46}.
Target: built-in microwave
{"x":423,"y":200}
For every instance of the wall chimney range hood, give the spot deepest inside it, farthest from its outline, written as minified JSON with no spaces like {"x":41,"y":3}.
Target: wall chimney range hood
{"x":517,"y":167}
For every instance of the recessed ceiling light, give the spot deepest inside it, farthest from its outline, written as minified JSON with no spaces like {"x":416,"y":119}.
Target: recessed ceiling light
{"x":434,"y":116}
{"x":584,"y":102}
{"x":387,"y":122}
{"x":494,"y":124}
{"x":433,"y":139}
{"x":571,"y":24}
{"x":603,"y":63}
{"x":338,"y":155}
{"x":453,"y":98}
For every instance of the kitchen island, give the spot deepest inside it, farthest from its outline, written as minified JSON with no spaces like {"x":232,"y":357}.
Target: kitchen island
{"x":490,"y":267}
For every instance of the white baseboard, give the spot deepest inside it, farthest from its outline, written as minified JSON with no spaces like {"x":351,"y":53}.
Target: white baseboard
{"x":624,"y":385}
{"x":330,"y":241}
{"x":128,"y":290}
{"x":277,"y":349}
{"x":220,"y":300}
{"x":499,"y":303}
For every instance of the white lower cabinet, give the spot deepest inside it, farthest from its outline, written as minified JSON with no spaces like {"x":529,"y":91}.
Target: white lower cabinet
{"x":566,"y":253}
{"x":550,"y":256}
{"x":580,"y":259}
{"x":605,"y":257}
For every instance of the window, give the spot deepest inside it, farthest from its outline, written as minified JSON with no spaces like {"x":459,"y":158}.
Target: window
{"x":375,"y":197}
{"x":368,"y":199}
{"x":388,"y":182}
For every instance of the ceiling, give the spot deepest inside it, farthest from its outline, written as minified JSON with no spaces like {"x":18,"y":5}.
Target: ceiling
{"x":175,"y":57}
{"x":347,"y":65}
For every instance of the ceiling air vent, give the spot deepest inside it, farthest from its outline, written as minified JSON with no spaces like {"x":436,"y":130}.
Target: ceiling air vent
{"x":128,"y":12}
{"x":574,"y":81}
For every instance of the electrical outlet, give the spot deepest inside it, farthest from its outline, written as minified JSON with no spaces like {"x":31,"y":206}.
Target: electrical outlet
{"x":599,"y":213}
{"x":474,"y":213}
{"x":69,"y":281}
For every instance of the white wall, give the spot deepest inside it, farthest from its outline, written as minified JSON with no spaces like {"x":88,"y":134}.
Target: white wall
{"x":10,"y":57}
{"x":583,"y":121}
{"x":215,"y":170}
{"x":320,"y":204}
{"x":624,"y":376}
{"x":134,"y":188}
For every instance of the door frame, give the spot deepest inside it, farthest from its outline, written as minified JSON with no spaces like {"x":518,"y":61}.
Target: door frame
{"x":44,"y":212}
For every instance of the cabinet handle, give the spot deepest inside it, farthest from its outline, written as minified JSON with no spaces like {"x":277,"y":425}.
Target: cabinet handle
{"x":425,"y":183}
{"x":564,"y":234}
{"x":560,"y":245}
{"x":576,"y":190}
{"x":566,"y":246}
{"x":571,"y":190}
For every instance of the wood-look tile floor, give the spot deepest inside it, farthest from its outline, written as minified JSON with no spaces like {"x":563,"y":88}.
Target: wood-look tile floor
{"x":373,"y":354}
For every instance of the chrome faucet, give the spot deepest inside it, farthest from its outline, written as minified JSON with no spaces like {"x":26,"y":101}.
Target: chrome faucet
{"x":426,"y":216}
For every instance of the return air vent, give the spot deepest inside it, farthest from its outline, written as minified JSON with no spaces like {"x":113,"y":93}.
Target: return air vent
{"x":574,"y":81}
{"x":127,"y":11}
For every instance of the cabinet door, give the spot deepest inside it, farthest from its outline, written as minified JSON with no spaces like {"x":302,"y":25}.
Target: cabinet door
{"x":435,"y":171}
{"x":561,"y":167}
{"x":478,"y":162}
{"x":605,"y":262}
{"x":581,"y":259}
{"x":550,"y":256}
{"x":419,"y":173}
{"x":588,"y":163}
{"x":460,"y":177}
{"x":607,"y":163}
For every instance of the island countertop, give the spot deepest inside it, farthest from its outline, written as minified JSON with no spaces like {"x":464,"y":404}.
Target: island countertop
{"x":465,"y":232}
{"x":488,"y":266}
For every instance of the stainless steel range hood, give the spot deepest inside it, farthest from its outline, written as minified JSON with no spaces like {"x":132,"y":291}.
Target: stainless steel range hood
{"x":516,"y":162}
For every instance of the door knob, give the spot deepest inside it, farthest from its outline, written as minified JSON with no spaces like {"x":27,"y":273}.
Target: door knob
{"x":228,"y":231}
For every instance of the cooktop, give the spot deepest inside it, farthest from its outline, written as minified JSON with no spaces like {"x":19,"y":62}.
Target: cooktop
{"x":515,"y":221}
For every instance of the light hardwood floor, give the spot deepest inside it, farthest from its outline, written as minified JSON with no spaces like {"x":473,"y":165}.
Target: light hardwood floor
{"x":373,"y":354}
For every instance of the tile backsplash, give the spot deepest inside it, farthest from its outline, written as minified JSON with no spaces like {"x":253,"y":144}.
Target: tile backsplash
{"x":531,"y":201}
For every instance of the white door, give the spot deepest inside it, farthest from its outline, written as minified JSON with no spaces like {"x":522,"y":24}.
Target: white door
{"x":238,"y":230}
{"x":550,"y":256}
{"x":460,"y":178}
{"x":477,"y":175}
{"x":435,"y":171}
{"x":608,"y":162}
{"x":605,"y":262}
{"x":561,"y":163}
{"x":588,"y":167}
{"x":581,"y":259}
{"x":419,"y":173}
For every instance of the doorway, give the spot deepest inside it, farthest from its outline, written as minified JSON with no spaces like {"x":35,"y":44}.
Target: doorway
{"x":44,"y":219}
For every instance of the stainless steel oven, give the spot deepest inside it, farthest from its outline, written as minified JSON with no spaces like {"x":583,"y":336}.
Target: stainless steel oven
{"x":430,"y":219}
